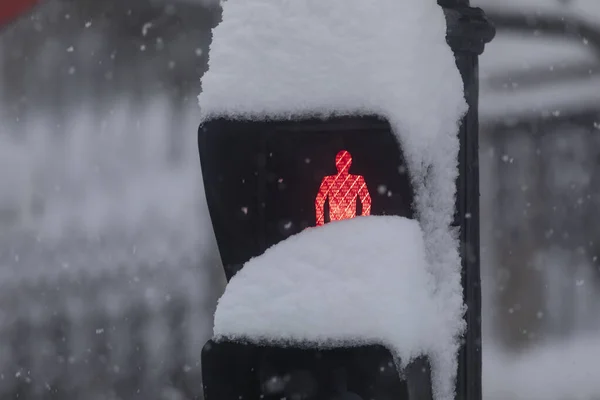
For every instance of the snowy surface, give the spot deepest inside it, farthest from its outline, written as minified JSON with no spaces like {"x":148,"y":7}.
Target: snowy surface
{"x":274,"y":59}
{"x":358,"y":281}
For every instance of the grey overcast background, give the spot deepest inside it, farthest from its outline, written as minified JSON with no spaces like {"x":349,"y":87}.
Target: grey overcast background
{"x":108,"y":269}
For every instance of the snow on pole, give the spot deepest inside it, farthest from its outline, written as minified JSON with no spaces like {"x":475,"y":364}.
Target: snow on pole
{"x":296,"y":59}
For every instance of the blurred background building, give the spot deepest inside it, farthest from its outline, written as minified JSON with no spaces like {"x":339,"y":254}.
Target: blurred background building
{"x":540,"y":132}
{"x":108,"y":269}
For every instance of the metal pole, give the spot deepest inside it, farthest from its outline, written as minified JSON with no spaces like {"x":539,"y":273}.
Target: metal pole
{"x":468,"y":31}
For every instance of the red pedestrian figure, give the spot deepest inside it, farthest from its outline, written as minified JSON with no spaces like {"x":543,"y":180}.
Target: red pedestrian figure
{"x":342,"y":191}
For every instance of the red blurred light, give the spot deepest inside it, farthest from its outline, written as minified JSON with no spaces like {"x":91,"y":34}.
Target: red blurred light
{"x":11,"y":9}
{"x":342,"y":191}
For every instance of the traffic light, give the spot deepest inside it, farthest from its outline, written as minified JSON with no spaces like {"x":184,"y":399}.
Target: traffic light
{"x":268,"y":180}
{"x":286,"y":146}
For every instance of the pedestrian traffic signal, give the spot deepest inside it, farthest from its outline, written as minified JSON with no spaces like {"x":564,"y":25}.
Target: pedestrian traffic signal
{"x":267,"y":180}
{"x":268,"y":176}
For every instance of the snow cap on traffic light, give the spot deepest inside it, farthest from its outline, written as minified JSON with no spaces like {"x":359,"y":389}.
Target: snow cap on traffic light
{"x":355,"y":282}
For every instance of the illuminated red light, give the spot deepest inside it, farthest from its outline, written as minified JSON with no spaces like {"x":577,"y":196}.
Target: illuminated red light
{"x":342,"y":191}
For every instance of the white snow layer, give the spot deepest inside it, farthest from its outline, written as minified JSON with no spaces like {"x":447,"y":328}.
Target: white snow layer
{"x":277,"y":59}
{"x":358,"y":281}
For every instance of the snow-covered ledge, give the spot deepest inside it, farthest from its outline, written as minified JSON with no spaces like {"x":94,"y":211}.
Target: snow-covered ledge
{"x":274,"y":59}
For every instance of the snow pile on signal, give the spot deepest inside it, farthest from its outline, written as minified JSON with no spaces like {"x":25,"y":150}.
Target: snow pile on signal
{"x":279,"y":59}
{"x":358,"y":281}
